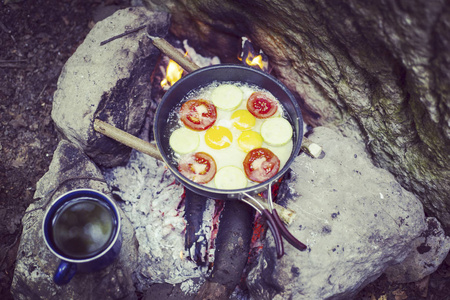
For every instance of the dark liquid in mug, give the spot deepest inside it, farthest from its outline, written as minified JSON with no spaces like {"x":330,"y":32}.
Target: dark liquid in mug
{"x":83,"y":228}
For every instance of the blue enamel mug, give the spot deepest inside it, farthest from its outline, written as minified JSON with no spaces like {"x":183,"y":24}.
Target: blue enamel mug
{"x":82,"y":228}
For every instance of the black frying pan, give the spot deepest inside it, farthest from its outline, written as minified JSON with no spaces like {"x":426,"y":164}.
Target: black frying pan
{"x":203,"y":77}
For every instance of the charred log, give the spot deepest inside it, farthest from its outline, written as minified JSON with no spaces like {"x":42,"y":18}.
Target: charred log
{"x":195,"y":240}
{"x":232,"y":248}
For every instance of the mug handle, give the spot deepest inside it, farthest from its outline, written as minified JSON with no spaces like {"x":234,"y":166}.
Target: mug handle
{"x":64,"y":272}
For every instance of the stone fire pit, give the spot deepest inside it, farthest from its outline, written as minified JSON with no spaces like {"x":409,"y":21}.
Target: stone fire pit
{"x":357,"y":221}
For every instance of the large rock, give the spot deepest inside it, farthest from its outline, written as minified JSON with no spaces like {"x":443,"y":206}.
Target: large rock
{"x":429,"y":250}
{"x":111,"y":82}
{"x":33,"y":275}
{"x":383,"y":64}
{"x":355,"y":218}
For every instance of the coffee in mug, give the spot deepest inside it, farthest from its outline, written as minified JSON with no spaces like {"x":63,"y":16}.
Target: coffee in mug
{"x":82,"y":228}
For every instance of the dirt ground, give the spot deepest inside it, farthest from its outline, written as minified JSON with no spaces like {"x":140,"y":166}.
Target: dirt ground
{"x":36,"y":38}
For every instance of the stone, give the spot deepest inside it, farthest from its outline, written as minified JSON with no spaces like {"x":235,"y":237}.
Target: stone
{"x":35,"y":266}
{"x":379,"y":68}
{"x":110,"y":82}
{"x":354,"y":217}
{"x":429,"y":251}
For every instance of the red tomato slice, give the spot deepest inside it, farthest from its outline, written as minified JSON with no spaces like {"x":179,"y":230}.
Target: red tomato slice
{"x":199,"y":167}
{"x":198,"y":114}
{"x":262,"y":105}
{"x":261,"y":164}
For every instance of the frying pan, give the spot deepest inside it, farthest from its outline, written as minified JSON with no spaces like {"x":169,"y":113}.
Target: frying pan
{"x":230,"y":73}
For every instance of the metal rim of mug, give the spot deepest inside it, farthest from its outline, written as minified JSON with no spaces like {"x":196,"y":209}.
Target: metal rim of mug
{"x":113,"y":241}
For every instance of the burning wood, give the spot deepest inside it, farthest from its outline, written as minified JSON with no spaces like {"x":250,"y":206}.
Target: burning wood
{"x":173,"y":74}
{"x":250,"y":58}
{"x":173,"y":53}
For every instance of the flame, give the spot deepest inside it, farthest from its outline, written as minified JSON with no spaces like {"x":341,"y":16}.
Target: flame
{"x":255,"y":61}
{"x":248,"y":56}
{"x":173,"y":74}
{"x":181,"y":255}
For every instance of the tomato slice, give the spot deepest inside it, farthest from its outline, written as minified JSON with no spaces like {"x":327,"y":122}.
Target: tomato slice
{"x":261,"y":164}
{"x":262,"y":105}
{"x":198,"y":114}
{"x":199,"y":167}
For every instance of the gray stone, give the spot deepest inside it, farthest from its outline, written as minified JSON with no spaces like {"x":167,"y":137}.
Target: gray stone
{"x":355,"y":218}
{"x":33,"y":275}
{"x":382,"y":65}
{"x":109,"y":82}
{"x":429,"y":251}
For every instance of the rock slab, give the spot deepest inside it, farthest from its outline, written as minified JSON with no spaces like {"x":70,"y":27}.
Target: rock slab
{"x":428,"y":252}
{"x":110,"y":82}
{"x":355,"y":218}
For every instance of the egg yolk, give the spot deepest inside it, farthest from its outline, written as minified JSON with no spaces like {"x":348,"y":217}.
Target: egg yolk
{"x":218,"y":137}
{"x":243,"y":120}
{"x":249,"y":140}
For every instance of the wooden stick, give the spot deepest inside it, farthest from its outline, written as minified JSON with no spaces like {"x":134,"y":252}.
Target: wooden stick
{"x":127,"y":139}
{"x":122,"y":35}
{"x":174,"y":54}
{"x":286,"y":214}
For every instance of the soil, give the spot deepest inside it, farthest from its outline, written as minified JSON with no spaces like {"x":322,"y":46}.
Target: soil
{"x":37,"y":38}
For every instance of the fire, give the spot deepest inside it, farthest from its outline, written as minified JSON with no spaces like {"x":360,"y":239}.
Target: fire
{"x":255,"y":61}
{"x":173,"y":74}
{"x":248,"y":56}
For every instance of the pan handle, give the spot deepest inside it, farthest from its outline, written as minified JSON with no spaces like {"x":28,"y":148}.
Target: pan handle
{"x":284,"y":231}
{"x":275,"y":232}
{"x":270,"y":221}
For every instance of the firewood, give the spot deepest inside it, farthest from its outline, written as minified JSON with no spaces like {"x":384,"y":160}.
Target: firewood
{"x":127,"y":139}
{"x":174,"y":54}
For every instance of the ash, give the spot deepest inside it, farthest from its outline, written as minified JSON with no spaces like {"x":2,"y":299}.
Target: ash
{"x":152,"y":200}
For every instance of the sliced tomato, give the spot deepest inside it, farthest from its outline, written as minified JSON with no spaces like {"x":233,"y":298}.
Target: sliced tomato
{"x":199,"y":167}
{"x":198,"y":114}
{"x":261,"y":164}
{"x":262,"y":105}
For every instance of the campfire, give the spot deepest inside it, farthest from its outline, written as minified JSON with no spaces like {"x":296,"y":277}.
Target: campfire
{"x":173,"y":73}
{"x":191,"y":218}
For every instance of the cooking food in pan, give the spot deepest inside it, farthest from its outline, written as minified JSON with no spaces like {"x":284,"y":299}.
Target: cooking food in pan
{"x":230,"y":135}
